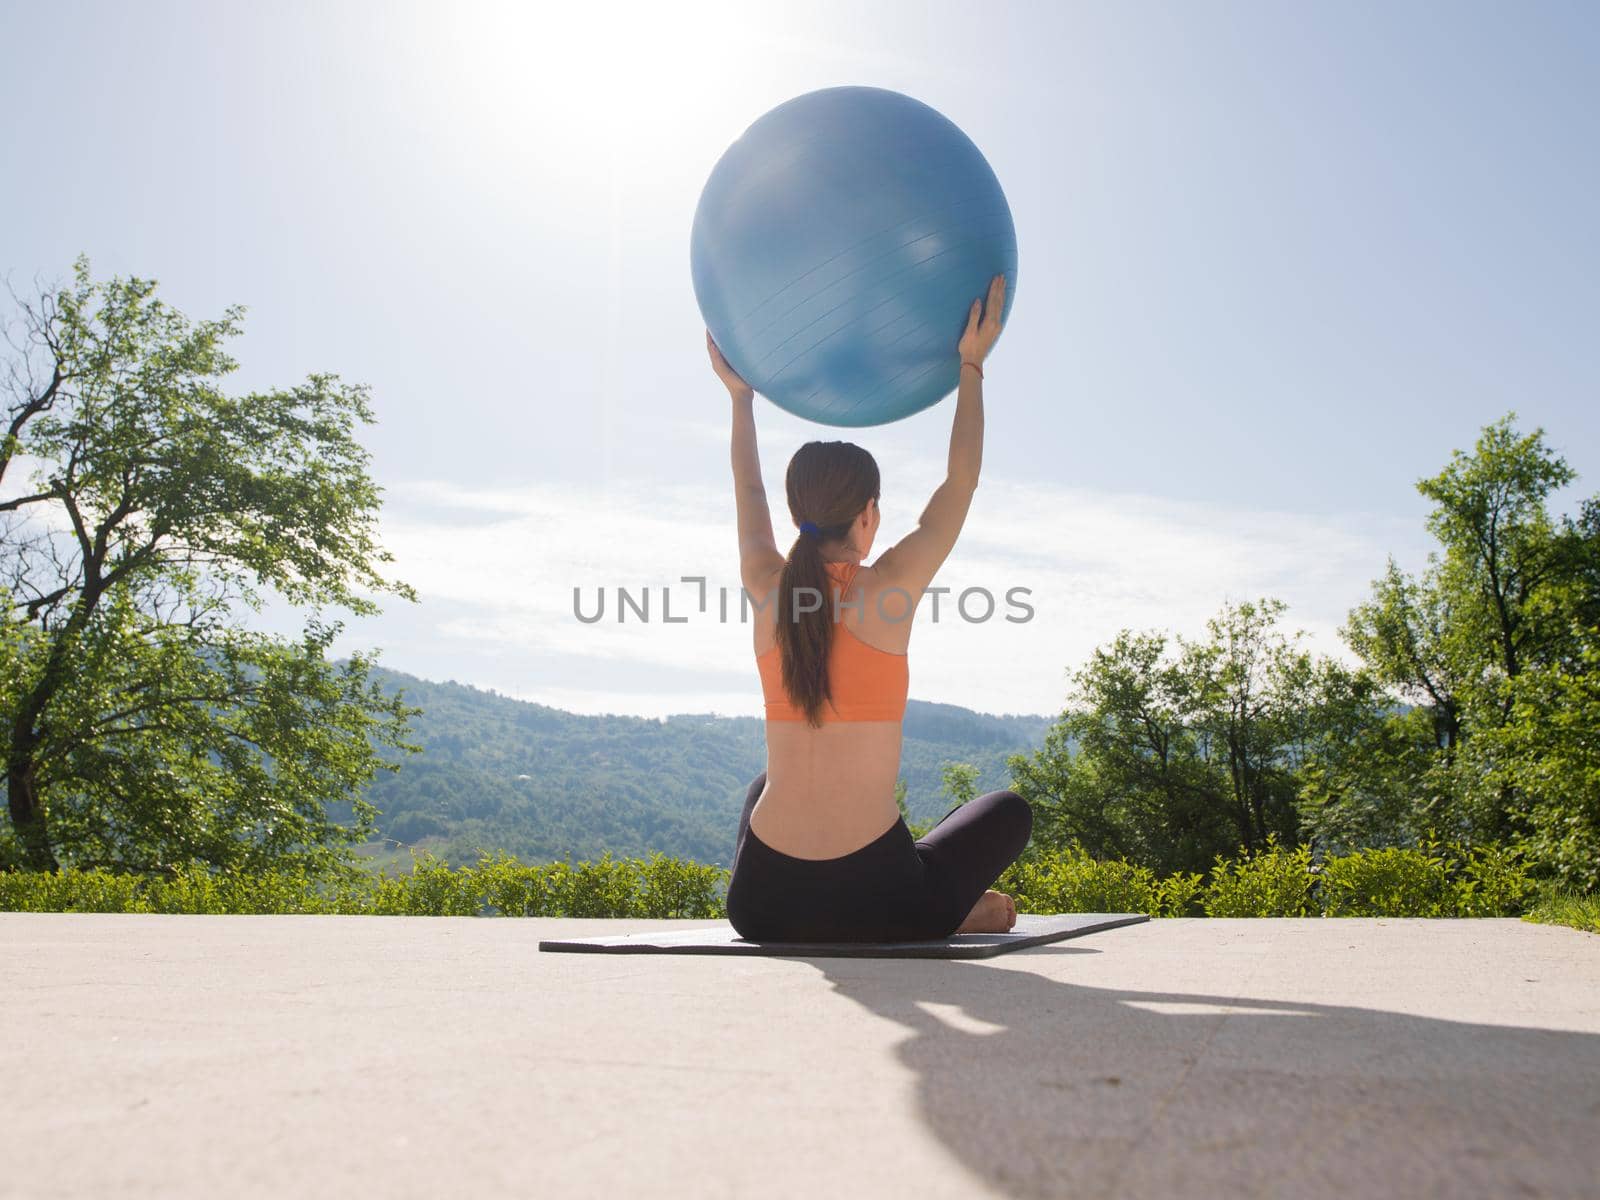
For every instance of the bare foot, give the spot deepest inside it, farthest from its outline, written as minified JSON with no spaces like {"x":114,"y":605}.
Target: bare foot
{"x":995,"y":912}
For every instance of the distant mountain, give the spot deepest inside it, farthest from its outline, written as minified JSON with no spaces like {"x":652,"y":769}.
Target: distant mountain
{"x":502,"y":774}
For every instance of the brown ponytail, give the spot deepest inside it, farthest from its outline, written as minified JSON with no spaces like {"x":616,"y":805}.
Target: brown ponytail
{"x":828,"y":483}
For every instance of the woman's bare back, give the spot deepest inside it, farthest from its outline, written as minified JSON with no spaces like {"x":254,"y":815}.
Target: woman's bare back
{"x":830,"y":790}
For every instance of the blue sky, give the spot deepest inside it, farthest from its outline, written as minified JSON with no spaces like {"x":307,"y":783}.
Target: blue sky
{"x":1276,"y":261}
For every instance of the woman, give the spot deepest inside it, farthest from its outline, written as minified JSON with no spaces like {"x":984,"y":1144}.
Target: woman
{"x":822,"y":852}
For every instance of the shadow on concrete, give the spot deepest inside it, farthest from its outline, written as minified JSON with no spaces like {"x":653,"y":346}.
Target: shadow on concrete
{"x":1044,"y":1088}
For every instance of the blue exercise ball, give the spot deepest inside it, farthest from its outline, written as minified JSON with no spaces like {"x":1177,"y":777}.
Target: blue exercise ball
{"x":837,"y":248}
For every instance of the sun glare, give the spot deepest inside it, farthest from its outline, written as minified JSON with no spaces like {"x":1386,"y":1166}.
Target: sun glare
{"x":619,"y":85}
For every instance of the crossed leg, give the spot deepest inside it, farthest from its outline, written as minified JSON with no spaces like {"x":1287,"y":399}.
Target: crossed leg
{"x":968,"y":850}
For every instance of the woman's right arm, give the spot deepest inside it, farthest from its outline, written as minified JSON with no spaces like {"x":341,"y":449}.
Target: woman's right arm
{"x":912,"y":562}
{"x":759,"y":557}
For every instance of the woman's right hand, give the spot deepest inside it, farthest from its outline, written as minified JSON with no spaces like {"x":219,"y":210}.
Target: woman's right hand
{"x":983,"y":323}
{"x":737,"y":387}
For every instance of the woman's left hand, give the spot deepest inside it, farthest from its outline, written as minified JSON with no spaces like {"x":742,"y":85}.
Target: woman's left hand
{"x":737,"y":387}
{"x":983,"y":323}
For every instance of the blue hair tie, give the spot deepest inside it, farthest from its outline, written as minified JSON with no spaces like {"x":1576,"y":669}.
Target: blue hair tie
{"x":808,"y":527}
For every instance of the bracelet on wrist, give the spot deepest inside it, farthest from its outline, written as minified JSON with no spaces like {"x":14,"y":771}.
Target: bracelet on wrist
{"x":967,"y":362}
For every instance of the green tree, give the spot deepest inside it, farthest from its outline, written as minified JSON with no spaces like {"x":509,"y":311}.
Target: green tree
{"x":142,"y":726}
{"x":1122,"y":772}
{"x":1500,"y":555}
{"x":1361,"y":786}
{"x":1507,"y":593}
{"x":958,"y":782}
{"x":1173,"y":752}
{"x":1251,"y":697}
{"x":901,"y":790}
{"x":1549,"y":750}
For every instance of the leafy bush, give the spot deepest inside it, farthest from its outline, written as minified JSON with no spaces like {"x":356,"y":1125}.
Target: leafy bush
{"x":1274,"y":882}
{"x":433,"y":889}
{"x":1179,"y":895}
{"x":1390,"y":882}
{"x":658,"y":887}
{"x":672,"y":887}
{"x":90,"y":890}
{"x":512,"y":889}
{"x":1493,"y":883}
{"x":1434,"y":880}
{"x":1069,"y":880}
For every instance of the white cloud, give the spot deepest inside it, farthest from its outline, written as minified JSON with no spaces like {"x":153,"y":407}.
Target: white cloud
{"x":496,"y":569}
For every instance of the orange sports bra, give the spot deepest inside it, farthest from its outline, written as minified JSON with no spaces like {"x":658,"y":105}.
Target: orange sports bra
{"x":868,"y":684}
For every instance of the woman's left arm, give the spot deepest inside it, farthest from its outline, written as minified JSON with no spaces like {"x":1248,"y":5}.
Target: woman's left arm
{"x":759,"y":559}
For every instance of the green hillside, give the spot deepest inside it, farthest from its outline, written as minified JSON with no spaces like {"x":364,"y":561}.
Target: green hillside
{"x":502,"y":774}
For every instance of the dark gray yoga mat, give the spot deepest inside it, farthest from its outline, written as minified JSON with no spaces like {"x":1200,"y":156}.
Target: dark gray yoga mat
{"x":1031,"y":929}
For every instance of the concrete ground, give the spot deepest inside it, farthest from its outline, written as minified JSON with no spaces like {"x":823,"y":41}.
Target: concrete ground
{"x":392,"y":1056}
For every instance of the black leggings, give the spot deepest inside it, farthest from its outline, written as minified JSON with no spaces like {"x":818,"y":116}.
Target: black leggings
{"x":893,"y":889}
